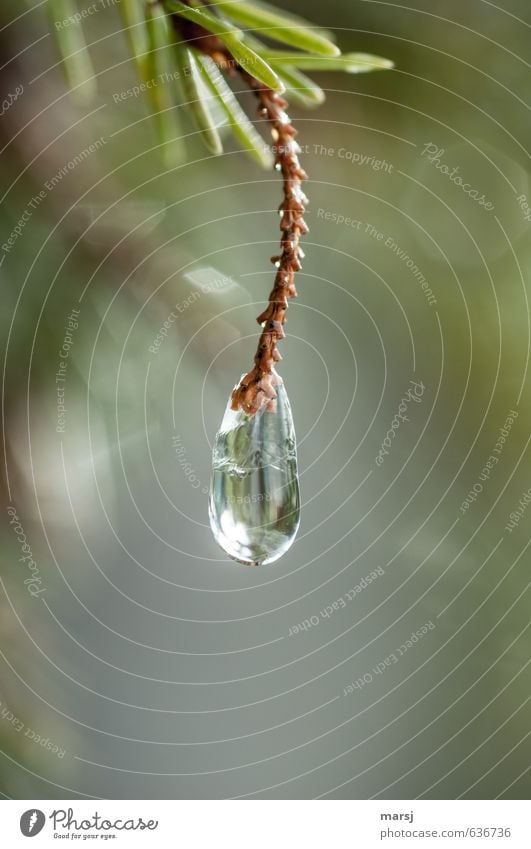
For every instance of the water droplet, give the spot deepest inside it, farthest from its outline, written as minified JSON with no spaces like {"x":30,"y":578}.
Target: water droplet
{"x":254,"y":505}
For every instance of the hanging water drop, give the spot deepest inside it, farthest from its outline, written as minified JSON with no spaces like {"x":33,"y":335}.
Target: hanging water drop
{"x":254,"y":505}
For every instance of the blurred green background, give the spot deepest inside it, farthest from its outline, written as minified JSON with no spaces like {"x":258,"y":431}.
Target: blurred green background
{"x":156,"y":667}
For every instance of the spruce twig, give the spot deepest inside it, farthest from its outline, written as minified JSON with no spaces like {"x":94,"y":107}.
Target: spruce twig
{"x":256,"y":389}
{"x":227,"y":35}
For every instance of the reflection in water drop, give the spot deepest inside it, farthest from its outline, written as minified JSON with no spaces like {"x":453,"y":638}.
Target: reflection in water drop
{"x":254,"y":502}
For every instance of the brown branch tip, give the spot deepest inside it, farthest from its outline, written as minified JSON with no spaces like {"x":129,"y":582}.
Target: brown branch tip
{"x":256,"y":389}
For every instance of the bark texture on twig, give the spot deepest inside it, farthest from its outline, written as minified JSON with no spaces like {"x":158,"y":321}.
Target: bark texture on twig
{"x":256,"y":389}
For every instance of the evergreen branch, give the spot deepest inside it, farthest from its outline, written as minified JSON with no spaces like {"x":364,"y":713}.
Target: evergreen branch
{"x":232,"y":38}
{"x":73,"y":50}
{"x":220,"y":36}
{"x":277,"y":26}
{"x":161,"y":65}
{"x":205,"y":40}
{"x":195,"y":89}
{"x":242,"y":127}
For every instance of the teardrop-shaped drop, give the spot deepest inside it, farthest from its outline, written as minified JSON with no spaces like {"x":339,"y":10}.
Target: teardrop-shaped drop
{"x":254,"y":505}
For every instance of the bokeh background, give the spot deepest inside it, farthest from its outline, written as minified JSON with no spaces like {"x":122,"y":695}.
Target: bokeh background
{"x":150,"y":666}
